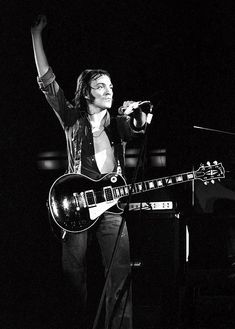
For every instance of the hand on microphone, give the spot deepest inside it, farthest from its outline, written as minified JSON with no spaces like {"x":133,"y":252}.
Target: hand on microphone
{"x":134,"y":108}
{"x":129,"y":107}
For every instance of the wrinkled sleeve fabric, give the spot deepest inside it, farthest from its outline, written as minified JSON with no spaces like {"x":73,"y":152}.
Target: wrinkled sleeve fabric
{"x":54,"y":94}
{"x":126,"y":128}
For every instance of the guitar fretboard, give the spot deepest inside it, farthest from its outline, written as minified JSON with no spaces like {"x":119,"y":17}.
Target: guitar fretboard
{"x":152,"y":184}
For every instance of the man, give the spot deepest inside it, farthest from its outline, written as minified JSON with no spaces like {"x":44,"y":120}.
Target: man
{"x":95,"y":146}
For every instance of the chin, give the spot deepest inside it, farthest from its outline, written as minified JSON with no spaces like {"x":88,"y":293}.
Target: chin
{"x":106,"y":106}
{"x":110,"y":104}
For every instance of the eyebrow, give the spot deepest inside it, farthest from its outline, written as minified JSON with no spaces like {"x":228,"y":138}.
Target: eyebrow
{"x":102,"y":84}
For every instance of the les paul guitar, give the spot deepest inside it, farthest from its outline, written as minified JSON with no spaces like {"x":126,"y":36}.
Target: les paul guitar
{"x":76,"y":201}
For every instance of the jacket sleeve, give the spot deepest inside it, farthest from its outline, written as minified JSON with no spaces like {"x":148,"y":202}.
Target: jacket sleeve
{"x":126,"y":128}
{"x":64,"y":110}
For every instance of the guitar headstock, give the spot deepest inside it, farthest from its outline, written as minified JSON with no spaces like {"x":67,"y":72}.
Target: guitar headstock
{"x":209,"y":173}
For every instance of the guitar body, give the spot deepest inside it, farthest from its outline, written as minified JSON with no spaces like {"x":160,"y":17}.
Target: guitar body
{"x":76,"y":201}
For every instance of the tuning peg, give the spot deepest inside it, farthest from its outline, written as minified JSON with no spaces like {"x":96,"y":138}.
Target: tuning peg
{"x":208,"y":163}
{"x":202,"y":165}
{"x":215,"y":162}
{"x":213,"y":181}
{"x":205,"y":183}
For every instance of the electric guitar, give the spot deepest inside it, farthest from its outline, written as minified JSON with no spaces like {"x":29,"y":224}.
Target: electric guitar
{"x":76,"y":201}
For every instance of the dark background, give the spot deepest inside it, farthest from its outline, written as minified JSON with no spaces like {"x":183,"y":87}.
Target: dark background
{"x":178,"y":55}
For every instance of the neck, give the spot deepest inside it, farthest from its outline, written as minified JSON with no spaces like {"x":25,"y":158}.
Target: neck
{"x":97,"y":120}
{"x":94,"y":109}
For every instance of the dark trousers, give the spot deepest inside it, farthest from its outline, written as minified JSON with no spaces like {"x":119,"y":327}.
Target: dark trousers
{"x":118,"y":301}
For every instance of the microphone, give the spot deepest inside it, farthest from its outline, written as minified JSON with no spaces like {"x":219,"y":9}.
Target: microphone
{"x":130,"y":108}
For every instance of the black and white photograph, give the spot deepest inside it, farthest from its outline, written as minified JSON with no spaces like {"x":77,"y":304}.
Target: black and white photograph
{"x":117,"y":164}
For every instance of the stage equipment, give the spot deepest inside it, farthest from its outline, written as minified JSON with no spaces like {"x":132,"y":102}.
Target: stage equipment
{"x":157,"y":244}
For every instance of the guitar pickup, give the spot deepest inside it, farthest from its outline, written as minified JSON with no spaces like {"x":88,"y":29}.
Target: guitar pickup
{"x":90,"y":198}
{"x":108,"y":193}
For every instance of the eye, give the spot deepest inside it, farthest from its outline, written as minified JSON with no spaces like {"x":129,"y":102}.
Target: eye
{"x":99,"y":86}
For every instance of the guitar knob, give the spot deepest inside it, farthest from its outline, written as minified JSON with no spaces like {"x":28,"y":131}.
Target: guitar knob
{"x":113,"y":179}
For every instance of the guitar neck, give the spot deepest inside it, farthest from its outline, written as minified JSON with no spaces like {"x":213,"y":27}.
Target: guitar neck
{"x":153,"y":184}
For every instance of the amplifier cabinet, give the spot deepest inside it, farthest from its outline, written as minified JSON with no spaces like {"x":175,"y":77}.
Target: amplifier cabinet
{"x":157,"y":242}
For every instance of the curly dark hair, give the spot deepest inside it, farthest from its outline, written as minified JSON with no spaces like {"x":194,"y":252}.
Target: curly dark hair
{"x":84,"y":88}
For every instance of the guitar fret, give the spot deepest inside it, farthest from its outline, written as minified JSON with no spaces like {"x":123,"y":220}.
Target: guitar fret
{"x":185,"y":177}
{"x":179,"y":179}
{"x":133,"y":188}
{"x":169,"y":181}
{"x":122,"y":191}
{"x":159,"y":183}
{"x":190,"y":176}
{"x":117,"y":193}
{"x":150,"y":185}
{"x":144,"y":186}
{"x":126,"y":189}
{"x":140,"y":187}
{"x":114,"y":193}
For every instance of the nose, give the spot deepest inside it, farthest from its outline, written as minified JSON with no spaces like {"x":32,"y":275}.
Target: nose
{"x":108,"y":90}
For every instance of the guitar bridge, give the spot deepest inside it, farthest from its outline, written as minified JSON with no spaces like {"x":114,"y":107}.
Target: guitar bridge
{"x":76,"y":199}
{"x":80,"y":201}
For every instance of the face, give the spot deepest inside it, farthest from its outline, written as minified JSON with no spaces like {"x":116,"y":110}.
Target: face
{"x":102,"y":91}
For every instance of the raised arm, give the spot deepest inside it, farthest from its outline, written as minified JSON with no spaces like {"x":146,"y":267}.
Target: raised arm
{"x":46,"y":77}
{"x":39,"y":53}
